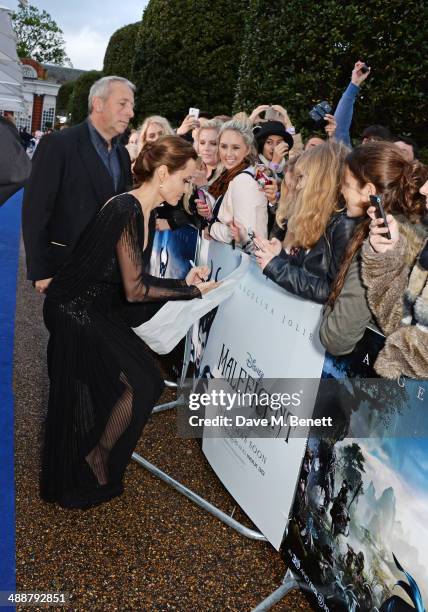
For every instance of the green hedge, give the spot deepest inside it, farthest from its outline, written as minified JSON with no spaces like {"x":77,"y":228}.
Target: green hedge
{"x":298,"y":54}
{"x":120,"y":54}
{"x":63,"y":101}
{"x":79,"y":99}
{"x":188,"y":54}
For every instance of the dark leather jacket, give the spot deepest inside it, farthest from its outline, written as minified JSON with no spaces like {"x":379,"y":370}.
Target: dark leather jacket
{"x":310,"y":275}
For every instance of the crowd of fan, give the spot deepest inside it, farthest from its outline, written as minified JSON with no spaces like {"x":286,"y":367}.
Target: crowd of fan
{"x":303,"y":209}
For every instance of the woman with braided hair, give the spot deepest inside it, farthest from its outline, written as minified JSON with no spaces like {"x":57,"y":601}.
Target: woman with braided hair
{"x":376,"y":168}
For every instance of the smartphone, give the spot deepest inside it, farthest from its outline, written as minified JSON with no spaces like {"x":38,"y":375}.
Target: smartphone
{"x":376,"y":200}
{"x":252,"y":236}
{"x":262,"y":175}
{"x":194,"y":112}
{"x":202,"y":195}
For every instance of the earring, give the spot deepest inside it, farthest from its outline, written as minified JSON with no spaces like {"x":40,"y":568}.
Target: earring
{"x":160,"y":186}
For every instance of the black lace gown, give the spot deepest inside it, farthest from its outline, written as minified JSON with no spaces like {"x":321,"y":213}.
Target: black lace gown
{"x":103,"y":382}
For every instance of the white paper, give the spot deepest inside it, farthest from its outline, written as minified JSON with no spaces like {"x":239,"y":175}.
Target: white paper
{"x":171,"y":323}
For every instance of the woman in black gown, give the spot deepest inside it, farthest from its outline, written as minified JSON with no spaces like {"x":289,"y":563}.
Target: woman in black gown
{"x":103,"y":383}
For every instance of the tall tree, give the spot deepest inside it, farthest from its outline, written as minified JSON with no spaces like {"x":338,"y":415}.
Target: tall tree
{"x":39,"y":36}
{"x":64,"y":98}
{"x":120,"y":53}
{"x":298,"y":54}
{"x":188,"y":55}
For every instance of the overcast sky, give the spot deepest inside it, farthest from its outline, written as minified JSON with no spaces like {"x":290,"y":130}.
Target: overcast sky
{"x":88,"y":25}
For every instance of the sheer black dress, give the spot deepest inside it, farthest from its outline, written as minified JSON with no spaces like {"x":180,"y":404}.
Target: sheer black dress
{"x":103,"y":382}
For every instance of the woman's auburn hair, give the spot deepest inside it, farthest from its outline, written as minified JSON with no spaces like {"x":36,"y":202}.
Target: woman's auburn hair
{"x":308,"y":209}
{"x":397,"y":180}
{"x":170,"y":151}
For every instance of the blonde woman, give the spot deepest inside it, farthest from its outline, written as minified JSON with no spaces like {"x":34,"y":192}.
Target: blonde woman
{"x":153,"y":128}
{"x":311,"y":232}
{"x":240,"y":204}
{"x":206,"y":145}
{"x":195,"y":208}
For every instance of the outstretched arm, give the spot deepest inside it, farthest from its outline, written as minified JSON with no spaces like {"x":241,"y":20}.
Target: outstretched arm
{"x":140,"y":286}
{"x":345,"y":108}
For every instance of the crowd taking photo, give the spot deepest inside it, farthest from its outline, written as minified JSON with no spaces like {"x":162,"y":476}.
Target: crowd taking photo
{"x":340,"y":226}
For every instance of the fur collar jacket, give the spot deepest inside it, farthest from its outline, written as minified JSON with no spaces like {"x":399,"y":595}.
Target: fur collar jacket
{"x":397,"y":292}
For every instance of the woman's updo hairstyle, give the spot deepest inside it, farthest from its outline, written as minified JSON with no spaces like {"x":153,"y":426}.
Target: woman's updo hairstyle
{"x":170,"y":151}
{"x":397,"y":180}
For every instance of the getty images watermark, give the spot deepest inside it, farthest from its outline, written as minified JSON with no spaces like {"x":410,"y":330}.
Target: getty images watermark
{"x":272,"y":408}
{"x":295,"y":408}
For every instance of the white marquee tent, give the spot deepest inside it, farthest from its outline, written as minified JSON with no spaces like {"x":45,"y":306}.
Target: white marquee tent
{"x":11,"y":97}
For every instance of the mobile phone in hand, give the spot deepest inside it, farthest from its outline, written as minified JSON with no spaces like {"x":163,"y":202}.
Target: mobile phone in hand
{"x":376,"y":200}
{"x":202,"y":195}
{"x":252,"y":236}
{"x":194,"y":112}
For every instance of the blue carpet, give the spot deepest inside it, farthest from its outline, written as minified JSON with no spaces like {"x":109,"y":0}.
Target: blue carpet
{"x":10,"y":222}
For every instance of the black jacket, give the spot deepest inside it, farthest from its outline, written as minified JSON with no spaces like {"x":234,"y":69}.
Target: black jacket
{"x":310,"y":275}
{"x":178,"y":217}
{"x":68,"y":185}
{"x":15,"y":166}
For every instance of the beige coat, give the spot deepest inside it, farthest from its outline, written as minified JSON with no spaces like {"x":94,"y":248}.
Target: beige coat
{"x":245,"y":203}
{"x":386,"y":276}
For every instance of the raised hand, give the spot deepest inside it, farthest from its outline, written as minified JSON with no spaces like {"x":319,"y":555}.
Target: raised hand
{"x":189,"y":124}
{"x":331,"y":125}
{"x":204,"y":209}
{"x":257,"y":111}
{"x":282,"y":111}
{"x":279,"y":152}
{"x":271,"y":191}
{"x":378,"y":241}
{"x":359,"y":77}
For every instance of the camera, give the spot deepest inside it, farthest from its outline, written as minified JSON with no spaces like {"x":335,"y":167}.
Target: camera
{"x":319,"y":111}
{"x":364,"y":69}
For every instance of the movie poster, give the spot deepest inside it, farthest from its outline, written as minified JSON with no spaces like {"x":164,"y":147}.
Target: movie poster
{"x":362,"y":500}
{"x":260,"y":333}
{"x":172,"y":252}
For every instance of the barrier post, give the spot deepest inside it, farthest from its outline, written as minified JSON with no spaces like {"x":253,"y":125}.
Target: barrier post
{"x":288,"y":584}
{"x":197,"y":499}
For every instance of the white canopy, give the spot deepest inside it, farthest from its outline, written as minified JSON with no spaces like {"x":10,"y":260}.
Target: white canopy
{"x":11,"y":97}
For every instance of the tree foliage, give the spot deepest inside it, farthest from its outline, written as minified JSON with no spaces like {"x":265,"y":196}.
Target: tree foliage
{"x":39,"y":36}
{"x":79,"y":99}
{"x":188,"y":55}
{"x":120,"y":53}
{"x":301,"y":53}
{"x":64,"y":98}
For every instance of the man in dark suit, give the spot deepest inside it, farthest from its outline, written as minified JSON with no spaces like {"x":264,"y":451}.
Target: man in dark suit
{"x":15,"y":167}
{"x":75,"y":172}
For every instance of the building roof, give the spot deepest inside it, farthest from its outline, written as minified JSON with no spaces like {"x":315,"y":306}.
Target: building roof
{"x":62,"y":74}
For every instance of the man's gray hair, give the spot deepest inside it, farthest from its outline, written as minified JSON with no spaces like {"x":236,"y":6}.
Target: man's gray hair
{"x":101,"y":89}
